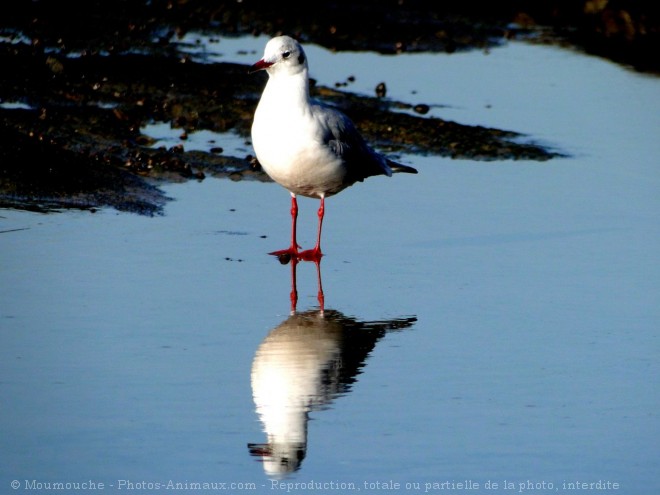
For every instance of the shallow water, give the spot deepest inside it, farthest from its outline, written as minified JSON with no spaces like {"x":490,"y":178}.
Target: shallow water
{"x":484,"y":322}
{"x":164,"y":135}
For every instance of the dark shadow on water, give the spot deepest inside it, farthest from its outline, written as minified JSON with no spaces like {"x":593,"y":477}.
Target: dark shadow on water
{"x":301,"y":366}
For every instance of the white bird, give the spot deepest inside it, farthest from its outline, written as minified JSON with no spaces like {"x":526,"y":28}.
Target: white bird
{"x":309,"y":148}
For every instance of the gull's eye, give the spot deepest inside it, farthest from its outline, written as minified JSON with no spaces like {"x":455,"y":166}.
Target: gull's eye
{"x":286,"y":54}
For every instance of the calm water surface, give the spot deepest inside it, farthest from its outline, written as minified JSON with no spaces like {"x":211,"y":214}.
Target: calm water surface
{"x":484,"y":322}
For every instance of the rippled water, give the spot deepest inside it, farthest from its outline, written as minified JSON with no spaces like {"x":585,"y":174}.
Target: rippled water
{"x":483,"y":322}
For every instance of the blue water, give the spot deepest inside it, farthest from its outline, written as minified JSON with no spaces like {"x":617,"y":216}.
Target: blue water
{"x":485,"y":322}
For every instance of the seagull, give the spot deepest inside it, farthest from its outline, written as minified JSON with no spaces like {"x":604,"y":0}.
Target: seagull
{"x":309,"y":148}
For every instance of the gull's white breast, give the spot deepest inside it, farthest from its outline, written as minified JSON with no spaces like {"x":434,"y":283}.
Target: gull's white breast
{"x":290,"y":144}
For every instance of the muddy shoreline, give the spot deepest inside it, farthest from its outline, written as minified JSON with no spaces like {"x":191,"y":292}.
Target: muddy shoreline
{"x":75,"y":92}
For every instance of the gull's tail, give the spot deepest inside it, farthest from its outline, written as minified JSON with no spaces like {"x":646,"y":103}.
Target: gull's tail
{"x":398,"y":167}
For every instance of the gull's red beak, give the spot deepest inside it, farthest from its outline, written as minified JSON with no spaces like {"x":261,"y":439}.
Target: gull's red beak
{"x":261,"y":65}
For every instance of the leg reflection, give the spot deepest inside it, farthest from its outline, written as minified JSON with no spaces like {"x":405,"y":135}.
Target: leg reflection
{"x":320,"y":296}
{"x":294,"y":260}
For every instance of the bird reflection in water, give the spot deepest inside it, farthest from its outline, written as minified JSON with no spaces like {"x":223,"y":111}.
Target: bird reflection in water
{"x":301,"y":366}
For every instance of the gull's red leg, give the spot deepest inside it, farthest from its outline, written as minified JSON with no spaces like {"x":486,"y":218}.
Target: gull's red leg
{"x":321,"y":214}
{"x":315,"y":253}
{"x":293,"y":249}
{"x":294,"y":222}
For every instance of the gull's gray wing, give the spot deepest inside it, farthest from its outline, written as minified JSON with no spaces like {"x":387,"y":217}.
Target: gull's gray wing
{"x":344,"y":140}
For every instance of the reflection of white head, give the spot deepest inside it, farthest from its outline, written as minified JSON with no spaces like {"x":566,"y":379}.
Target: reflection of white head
{"x":294,"y":371}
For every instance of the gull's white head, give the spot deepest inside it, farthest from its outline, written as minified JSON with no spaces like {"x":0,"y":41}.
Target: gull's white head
{"x":282,"y":54}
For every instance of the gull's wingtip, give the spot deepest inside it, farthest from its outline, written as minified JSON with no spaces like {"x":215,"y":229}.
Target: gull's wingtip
{"x":400,"y":168}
